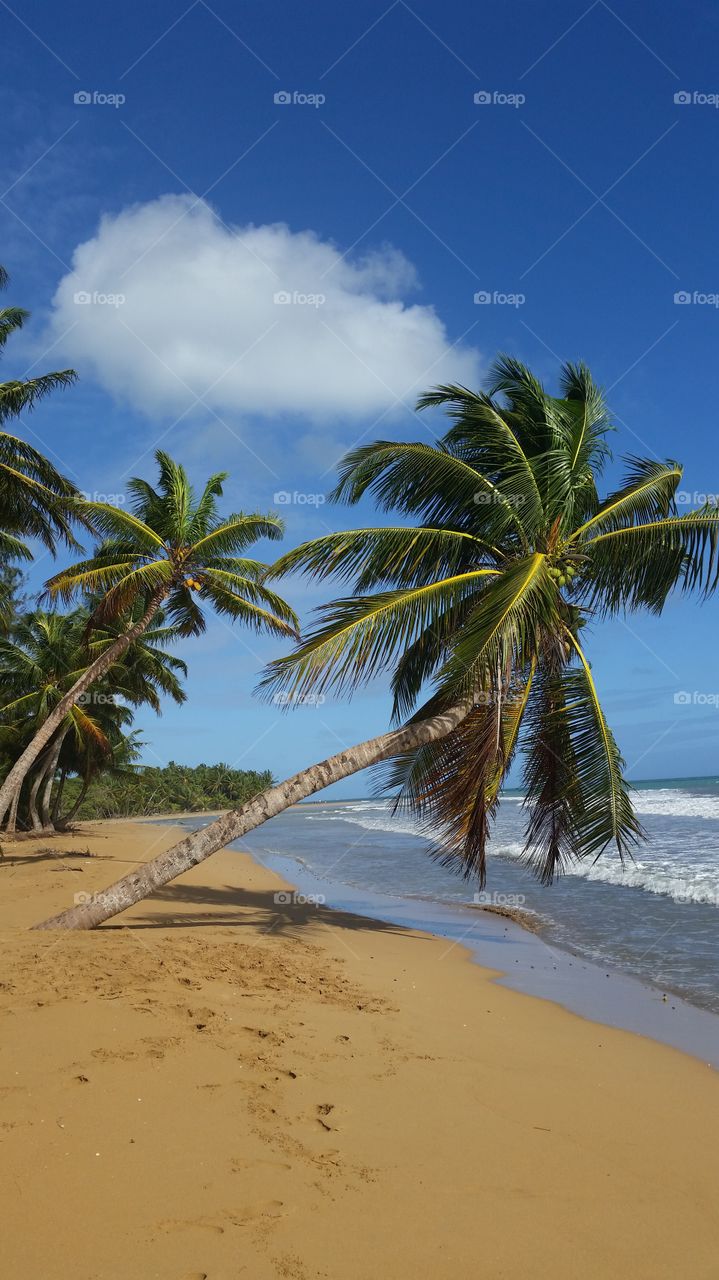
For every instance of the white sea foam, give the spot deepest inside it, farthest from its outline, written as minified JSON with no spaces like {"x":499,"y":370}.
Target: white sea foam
{"x":692,"y":877}
{"x":676,"y":864}
{"x":670,"y":803}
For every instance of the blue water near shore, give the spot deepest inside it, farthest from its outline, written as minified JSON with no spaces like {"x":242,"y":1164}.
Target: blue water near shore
{"x":656,"y":918}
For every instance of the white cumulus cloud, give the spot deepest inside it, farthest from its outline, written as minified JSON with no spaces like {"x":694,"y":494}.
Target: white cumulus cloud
{"x":166,"y":303}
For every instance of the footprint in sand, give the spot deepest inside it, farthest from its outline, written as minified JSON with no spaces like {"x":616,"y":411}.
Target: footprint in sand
{"x":241,"y":1217}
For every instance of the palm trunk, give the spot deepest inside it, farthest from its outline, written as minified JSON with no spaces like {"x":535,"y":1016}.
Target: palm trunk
{"x":198,"y":846}
{"x":50,"y":772}
{"x":66,"y":818}
{"x":58,"y":796}
{"x":35,"y":822}
{"x":12,"y":816}
{"x":15,"y":778}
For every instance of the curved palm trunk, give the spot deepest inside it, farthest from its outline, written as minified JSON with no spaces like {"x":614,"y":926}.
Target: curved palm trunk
{"x":62,"y":822}
{"x":198,"y":846}
{"x":15,"y":778}
{"x":50,"y":771}
{"x":33,"y":814}
{"x":58,"y":796}
{"x":12,"y":816}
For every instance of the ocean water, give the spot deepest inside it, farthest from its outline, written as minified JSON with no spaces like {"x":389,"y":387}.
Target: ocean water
{"x":656,"y":918}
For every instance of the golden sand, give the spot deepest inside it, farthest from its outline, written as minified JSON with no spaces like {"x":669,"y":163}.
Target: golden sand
{"x":215,"y":1085}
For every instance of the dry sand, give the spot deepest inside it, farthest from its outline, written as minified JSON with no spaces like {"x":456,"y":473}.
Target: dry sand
{"x":217,"y":1086}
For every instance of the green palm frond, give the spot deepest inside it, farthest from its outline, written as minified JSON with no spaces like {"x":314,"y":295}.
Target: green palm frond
{"x":551,"y":783}
{"x":360,"y":635}
{"x":637,"y":566}
{"x":605,"y":815}
{"x":433,"y":482}
{"x":402,"y":556}
{"x":21,"y":397}
{"x":235,"y":534}
{"x":505,"y":621}
{"x":647,"y":495}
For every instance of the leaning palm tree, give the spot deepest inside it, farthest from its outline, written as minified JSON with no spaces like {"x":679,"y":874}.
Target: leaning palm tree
{"x":174,"y":551}
{"x":45,"y":656}
{"x":33,"y":494}
{"x":482,"y":604}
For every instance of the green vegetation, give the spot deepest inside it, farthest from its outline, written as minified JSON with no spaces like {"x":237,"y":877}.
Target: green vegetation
{"x":142,"y":791}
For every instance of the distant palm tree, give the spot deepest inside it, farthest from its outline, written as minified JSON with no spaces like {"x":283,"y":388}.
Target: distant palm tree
{"x":485,"y":598}
{"x":33,"y":494}
{"x":45,"y":656}
{"x":171,"y":550}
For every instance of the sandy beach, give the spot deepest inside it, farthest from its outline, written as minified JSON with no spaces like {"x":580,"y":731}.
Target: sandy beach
{"x":219,"y":1085}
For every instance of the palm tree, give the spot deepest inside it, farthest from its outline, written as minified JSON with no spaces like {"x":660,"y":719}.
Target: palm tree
{"x":33,"y":495}
{"x":45,"y":656}
{"x":485,"y":597}
{"x":171,"y":550}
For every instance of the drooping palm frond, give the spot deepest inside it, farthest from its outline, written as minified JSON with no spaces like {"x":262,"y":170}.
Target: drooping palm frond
{"x":639,"y":565}
{"x":605,"y":815}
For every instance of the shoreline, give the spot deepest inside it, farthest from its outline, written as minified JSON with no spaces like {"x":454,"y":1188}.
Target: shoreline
{"x":217,"y":1075}
{"x":599,"y":991}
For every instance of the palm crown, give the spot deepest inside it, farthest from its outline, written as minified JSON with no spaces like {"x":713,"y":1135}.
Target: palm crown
{"x":486,"y":598}
{"x":33,"y":495}
{"x":173,"y":546}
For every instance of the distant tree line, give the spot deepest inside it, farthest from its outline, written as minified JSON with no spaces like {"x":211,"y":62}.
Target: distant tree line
{"x":140,"y":791}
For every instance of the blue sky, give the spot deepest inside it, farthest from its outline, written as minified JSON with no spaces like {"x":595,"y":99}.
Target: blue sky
{"x":147,"y":161}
